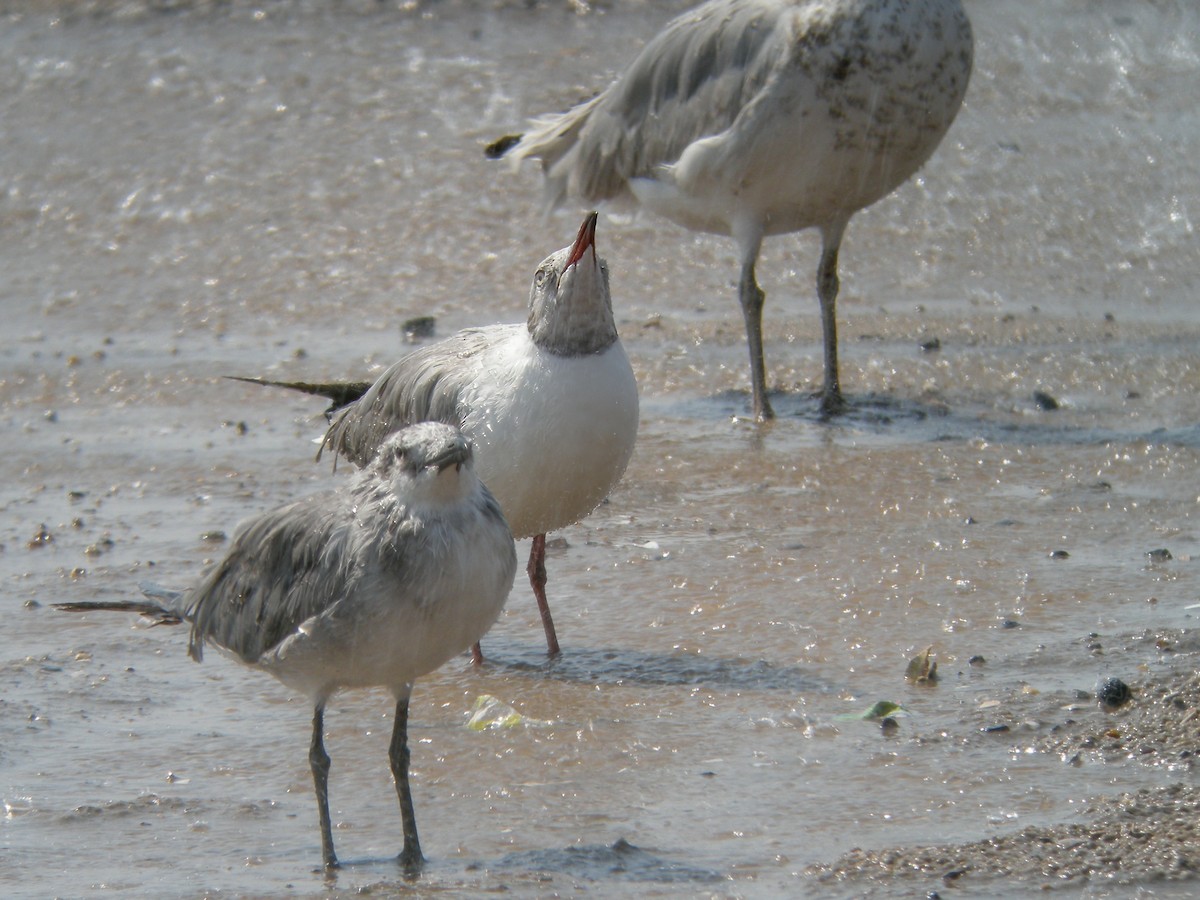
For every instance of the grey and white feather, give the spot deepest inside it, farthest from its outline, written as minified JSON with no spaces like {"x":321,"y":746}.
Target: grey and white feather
{"x":374,"y":584}
{"x":753,"y":118}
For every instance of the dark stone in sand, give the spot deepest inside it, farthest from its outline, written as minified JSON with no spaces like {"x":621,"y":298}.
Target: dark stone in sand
{"x":1044,"y":401}
{"x":1113,"y":693}
{"x":420,"y":328}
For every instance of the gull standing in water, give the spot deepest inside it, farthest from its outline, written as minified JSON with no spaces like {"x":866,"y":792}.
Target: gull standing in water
{"x":550,"y":406}
{"x":376,"y":583}
{"x":752,"y":118}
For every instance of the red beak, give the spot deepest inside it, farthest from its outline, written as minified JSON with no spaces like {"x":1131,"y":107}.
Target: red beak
{"x":587,"y":238}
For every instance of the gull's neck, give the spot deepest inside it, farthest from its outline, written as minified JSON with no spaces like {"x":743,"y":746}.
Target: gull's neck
{"x":570,"y":310}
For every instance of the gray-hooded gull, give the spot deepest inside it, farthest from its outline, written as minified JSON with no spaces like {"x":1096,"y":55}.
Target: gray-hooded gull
{"x":550,"y":406}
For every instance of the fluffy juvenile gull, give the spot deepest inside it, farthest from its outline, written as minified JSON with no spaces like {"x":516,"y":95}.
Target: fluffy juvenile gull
{"x":376,"y":583}
{"x":551,"y":406}
{"x":752,"y":118}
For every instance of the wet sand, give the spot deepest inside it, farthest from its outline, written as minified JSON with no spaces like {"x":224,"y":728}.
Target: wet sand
{"x":1146,"y":838}
{"x":191,"y":191}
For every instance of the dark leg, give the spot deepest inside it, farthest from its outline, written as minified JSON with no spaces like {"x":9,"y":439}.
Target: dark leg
{"x":751,"y":297}
{"x":410,"y":857}
{"x":827,"y":290}
{"x":477,"y":654}
{"x":318,"y":759}
{"x":537,"y":579}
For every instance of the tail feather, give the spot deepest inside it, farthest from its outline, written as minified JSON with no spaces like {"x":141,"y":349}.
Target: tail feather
{"x":163,"y":605}
{"x":340,"y":393}
{"x":555,"y":140}
{"x":158,"y":612}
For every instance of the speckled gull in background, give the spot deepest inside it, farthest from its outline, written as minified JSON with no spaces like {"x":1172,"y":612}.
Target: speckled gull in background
{"x":760,"y":117}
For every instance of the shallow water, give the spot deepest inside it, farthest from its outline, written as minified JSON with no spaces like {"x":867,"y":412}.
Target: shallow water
{"x":189,"y":191}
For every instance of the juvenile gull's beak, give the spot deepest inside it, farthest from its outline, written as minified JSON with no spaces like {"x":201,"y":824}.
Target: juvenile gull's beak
{"x":454,"y":456}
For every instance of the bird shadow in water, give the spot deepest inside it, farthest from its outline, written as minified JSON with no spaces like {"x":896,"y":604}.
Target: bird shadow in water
{"x":621,"y":861}
{"x":596,"y":665}
{"x":589,"y":863}
{"x":917,"y":421}
{"x":862,"y":410}
{"x":386,"y":866}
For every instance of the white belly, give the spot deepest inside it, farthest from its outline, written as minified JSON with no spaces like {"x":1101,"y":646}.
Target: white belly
{"x":552,"y":434}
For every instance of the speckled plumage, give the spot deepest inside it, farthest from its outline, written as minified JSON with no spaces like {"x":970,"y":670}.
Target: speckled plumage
{"x":760,"y":117}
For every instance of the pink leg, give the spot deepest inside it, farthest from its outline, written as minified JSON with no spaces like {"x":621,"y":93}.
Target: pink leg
{"x":537,"y":579}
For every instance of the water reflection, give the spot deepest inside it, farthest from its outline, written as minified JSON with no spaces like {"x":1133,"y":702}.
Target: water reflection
{"x":623,"y":666}
{"x":620,"y":861}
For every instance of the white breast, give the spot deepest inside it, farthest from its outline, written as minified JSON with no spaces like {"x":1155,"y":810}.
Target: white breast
{"x":552,"y":434}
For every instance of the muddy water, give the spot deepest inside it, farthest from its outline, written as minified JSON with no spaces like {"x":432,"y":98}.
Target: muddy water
{"x":190,"y":191}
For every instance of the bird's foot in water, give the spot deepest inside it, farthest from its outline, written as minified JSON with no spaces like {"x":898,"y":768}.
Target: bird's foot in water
{"x":411,"y":862}
{"x":833,"y":404}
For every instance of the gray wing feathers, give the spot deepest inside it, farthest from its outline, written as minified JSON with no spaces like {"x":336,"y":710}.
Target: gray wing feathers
{"x":283,"y":568}
{"x":690,"y":82}
{"x":423,"y":386}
